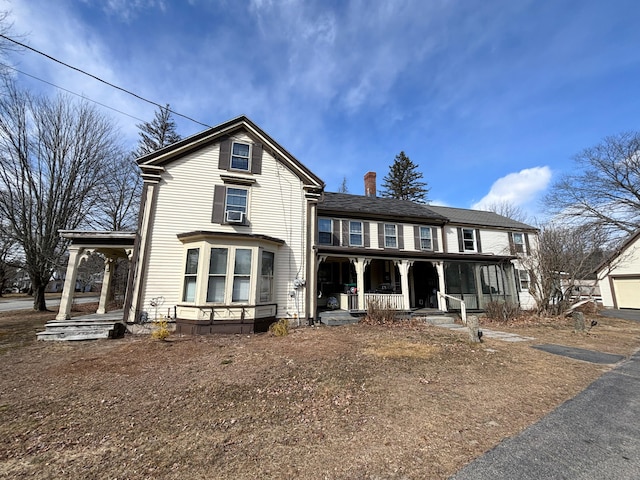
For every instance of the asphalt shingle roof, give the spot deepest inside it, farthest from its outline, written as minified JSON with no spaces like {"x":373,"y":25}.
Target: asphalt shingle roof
{"x":344,"y":203}
{"x":378,"y":207}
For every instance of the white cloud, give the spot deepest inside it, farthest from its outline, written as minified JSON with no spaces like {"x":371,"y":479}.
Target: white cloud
{"x":517,"y":189}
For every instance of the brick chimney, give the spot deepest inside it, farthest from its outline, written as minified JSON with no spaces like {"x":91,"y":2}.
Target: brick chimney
{"x":370,"y":184}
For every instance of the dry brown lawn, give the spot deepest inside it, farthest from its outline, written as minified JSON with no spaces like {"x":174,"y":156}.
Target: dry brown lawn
{"x":354,"y":402}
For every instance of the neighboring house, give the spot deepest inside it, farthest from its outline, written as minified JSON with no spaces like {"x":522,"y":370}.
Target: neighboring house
{"x":234,"y":232}
{"x":619,"y":275}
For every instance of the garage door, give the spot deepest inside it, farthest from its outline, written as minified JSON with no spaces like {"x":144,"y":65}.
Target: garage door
{"x":627,"y":292}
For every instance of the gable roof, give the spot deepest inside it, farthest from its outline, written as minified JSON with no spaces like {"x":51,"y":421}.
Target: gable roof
{"x":152,"y":163}
{"x":462,"y":216}
{"x":630,"y":240}
{"x":377,"y":207}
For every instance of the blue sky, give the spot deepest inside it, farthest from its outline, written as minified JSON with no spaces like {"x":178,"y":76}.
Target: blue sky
{"x":491,"y":99}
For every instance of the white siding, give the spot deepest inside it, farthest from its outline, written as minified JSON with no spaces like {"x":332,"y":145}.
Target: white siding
{"x":276,"y":207}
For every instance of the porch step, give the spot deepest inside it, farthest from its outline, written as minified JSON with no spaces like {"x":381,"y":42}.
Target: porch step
{"x":438,"y":319}
{"x":81,"y":329}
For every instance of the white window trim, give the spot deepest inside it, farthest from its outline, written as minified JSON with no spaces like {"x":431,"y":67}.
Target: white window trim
{"x":474,"y":239}
{"x":231,"y":167}
{"x":235,"y":207}
{"x":527,"y":280}
{"x":519,"y":247}
{"x":394,"y":236}
{"x":361,"y":234}
{"x":420,"y":238}
{"x":331,"y":231}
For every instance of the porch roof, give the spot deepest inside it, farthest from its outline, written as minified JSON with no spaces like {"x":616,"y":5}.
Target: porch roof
{"x":408,"y":254}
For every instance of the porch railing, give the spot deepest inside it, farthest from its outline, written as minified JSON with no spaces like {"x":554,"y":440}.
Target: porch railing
{"x":463,"y":307}
{"x":392,"y":301}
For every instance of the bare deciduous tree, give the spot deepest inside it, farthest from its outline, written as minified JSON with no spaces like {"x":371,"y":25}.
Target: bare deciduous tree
{"x":8,"y":256}
{"x":53,"y":155}
{"x":509,"y":210}
{"x":605,"y":190}
{"x":563,"y":257}
{"x":117,"y":208}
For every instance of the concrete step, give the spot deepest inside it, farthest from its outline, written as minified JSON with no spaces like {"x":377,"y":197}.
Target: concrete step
{"x":75,"y":335}
{"x":438,"y":319}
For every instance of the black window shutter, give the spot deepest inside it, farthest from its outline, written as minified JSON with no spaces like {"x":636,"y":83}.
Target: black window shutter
{"x":478,"y":244}
{"x":434,"y":239}
{"x":224,"y":159}
{"x":460,"y":241}
{"x":400,"y":232}
{"x":367,"y":239}
{"x":381,"y":235}
{"x":256,"y":158}
{"x":345,"y":233}
{"x":219,"y":193}
{"x":526,"y":242}
{"x":416,"y":237}
{"x":512,"y":246}
{"x":336,"y":232}
{"x":518,"y":286}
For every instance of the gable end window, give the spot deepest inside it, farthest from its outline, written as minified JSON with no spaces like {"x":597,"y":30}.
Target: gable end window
{"x":240,"y":156}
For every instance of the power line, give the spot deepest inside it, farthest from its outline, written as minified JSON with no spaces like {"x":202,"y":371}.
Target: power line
{"x":101,"y":80}
{"x":74,"y":93}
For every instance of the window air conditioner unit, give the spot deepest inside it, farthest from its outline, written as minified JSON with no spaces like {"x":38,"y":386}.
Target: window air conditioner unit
{"x":234,"y":216}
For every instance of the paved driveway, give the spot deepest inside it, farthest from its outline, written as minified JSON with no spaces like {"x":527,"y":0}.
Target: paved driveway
{"x":625,"y":314}
{"x":595,"y":435}
{"x":26,"y":303}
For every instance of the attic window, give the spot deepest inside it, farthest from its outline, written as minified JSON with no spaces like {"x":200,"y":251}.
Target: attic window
{"x":240,"y":155}
{"x":518,"y":242}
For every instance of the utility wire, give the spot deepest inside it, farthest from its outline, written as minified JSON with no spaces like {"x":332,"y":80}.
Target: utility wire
{"x":73,"y":93}
{"x":100,"y":79}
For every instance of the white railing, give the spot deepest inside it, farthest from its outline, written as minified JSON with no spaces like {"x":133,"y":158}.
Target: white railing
{"x":392,"y":301}
{"x":463,"y":308}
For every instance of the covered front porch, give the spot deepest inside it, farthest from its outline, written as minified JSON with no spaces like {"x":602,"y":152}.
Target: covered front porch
{"x":355,"y":284}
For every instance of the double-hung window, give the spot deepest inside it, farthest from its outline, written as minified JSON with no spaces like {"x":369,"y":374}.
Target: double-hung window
{"x":426,"y":242}
{"x":355,"y":234}
{"x":236,"y":204}
{"x":191,"y":275}
{"x":518,"y":242}
{"x":390,"y":235}
{"x":266,"y":277}
{"x":325,"y":231}
{"x":523,"y":278}
{"x":469,"y":239}
{"x":240,"y":156}
{"x":241,"y":275}
{"x":217,"y":275}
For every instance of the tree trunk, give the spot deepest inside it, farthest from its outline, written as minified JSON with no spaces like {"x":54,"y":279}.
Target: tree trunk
{"x":39,"y":302}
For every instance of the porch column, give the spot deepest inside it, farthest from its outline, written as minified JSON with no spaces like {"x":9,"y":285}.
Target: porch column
{"x":106,"y":285}
{"x":442,"y":304}
{"x":403,"y":267}
{"x":66,"y":301}
{"x":360,"y":263}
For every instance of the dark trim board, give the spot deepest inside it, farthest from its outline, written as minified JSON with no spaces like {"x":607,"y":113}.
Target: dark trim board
{"x":206,"y":327}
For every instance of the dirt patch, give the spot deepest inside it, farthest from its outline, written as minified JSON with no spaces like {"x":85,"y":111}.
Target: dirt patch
{"x":349,"y":402}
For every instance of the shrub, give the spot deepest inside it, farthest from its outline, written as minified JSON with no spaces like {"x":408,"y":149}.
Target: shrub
{"x":160,"y":330}
{"x":379,"y":314}
{"x":502,"y":311}
{"x":280,"y":328}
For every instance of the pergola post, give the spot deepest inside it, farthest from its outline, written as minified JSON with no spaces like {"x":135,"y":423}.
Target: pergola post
{"x":106,"y":285}
{"x":66,"y":301}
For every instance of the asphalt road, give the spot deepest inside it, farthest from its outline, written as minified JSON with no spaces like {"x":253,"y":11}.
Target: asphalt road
{"x":595,"y":435}
{"x":26,"y":303}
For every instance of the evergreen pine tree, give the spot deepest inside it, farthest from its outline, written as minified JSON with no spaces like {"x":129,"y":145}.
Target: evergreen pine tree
{"x":404,"y":181}
{"x":158,"y":133}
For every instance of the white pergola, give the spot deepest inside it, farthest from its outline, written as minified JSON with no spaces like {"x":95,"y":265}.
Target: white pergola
{"x":112,"y":245}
